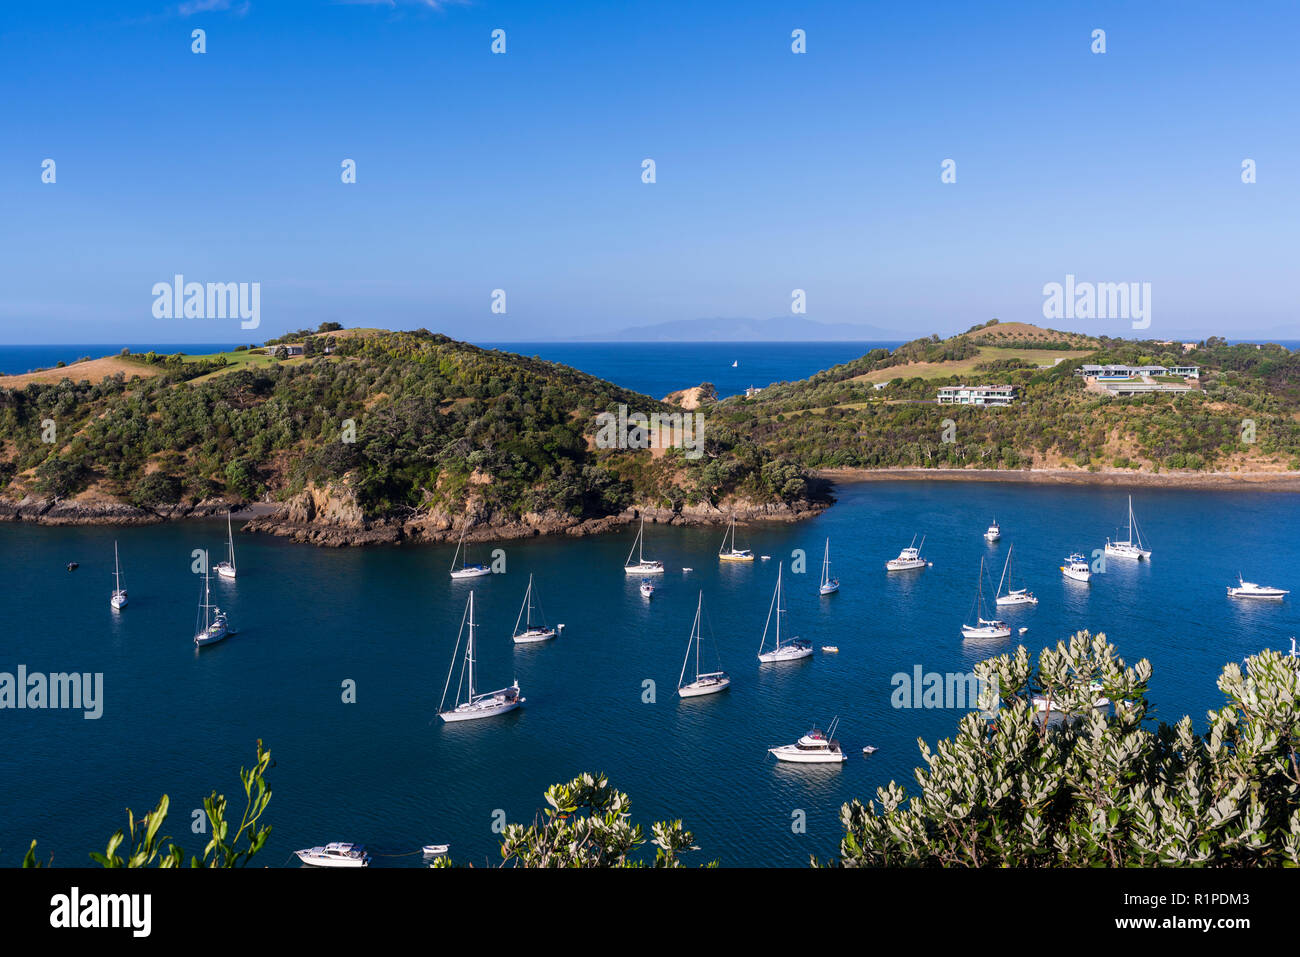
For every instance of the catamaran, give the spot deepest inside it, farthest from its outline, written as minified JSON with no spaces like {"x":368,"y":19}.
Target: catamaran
{"x":531,"y":632}
{"x":910,"y":557}
{"x":1130,"y":547}
{"x":1014,"y":596}
{"x":642,"y":565}
{"x":466,"y":570}
{"x":118,"y":599}
{"x":984,"y":627}
{"x":993,"y":533}
{"x":815,"y":747}
{"x":1247,"y":589}
{"x":829,"y":586}
{"x":792,"y":650}
{"x":733,"y":554}
{"x":226,"y":569}
{"x":706,"y":682}
{"x":1076,"y":568}
{"x":475,"y":705}
{"x":336,"y":854}
{"x":215,"y":625}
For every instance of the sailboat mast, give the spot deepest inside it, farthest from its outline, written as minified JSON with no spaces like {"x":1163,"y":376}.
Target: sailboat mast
{"x":469,"y":647}
{"x":694,"y":633}
{"x":230,"y":539}
{"x":1005,"y":568}
{"x":779,"y":569}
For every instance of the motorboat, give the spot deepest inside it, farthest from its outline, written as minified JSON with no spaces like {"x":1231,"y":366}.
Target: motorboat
{"x":815,"y":747}
{"x":1247,"y":589}
{"x":1076,"y":568}
{"x":908,"y":558}
{"x":336,"y":854}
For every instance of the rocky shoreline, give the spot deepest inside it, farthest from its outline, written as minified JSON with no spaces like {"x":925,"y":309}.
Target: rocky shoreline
{"x":1216,"y":481}
{"x":333,"y":519}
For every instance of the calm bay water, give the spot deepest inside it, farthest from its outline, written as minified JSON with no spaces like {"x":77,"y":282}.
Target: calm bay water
{"x":384,"y":771}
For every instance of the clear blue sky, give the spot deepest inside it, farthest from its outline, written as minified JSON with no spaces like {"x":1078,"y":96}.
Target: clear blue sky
{"x":522,"y":171}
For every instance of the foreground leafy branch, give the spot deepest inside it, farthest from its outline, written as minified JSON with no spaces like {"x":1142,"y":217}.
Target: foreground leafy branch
{"x":1097,"y":789}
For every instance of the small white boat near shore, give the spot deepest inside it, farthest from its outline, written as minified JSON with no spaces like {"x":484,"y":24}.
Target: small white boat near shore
{"x":435,"y":850}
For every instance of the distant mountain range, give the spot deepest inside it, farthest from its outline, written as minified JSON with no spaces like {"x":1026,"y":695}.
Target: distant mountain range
{"x":782,"y":329}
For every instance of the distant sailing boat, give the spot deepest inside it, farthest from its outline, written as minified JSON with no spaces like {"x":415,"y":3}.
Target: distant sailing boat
{"x":1014,"y":596}
{"x":642,"y":565}
{"x":733,"y":554}
{"x":829,"y":585}
{"x":226,"y":569}
{"x":466,"y":570}
{"x":709,"y":682}
{"x":1130,"y":547}
{"x":214,"y":626}
{"x":793,"y":649}
{"x":531,"y":632}
{"x":984,"y":627}
{"x":735,"y":364}
{"x":475,"y":705}
{"x":118,"y":599}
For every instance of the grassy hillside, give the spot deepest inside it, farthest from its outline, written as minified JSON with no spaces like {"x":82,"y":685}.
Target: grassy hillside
{"x":433,"y":419}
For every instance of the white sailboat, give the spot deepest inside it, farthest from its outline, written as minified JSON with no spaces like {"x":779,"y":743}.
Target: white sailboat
{"x":1131,"y":547}
{"x":642,"y":565}
{"x":226,"y":569}
{"x":531,"y":632}
{"x":735,"y":364}
{"x":211,"y":624}
{"x":1076,"y":568}
{"x":815,"y":747}
{"x":1247,"y":589}
{"x":829,"y":586}
{"x":733,"y":554}
{"x":993,"y":533}
{"x":792,"y":650}
{"x":908,"y":558}
{"x":466,"y":570}
{"x":705,"y":682}
{"x":475,"y":705}
{"x":984,"y":627}
{"x":1014,"y":596}
{"x":118,"y":598}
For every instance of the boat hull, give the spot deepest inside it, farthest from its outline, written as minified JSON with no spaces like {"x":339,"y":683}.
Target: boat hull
{"x":735,"y":558}
{"x":1129,"y":552}
{"x":472,"y":571}
{"x":118,"y":601}
{"x":644,"y":569}
{"x":790,"y":652}
{"x":211,"y":637}
{"x":1075,"y":576}
{"x":829,"y":588}
{"x":894,"y":565}
{"x":1006,"y":600}
{"x":474,"y":712}
{"x":314,"y":861}
{"x":985,"y":632}
{"x":535,"y":635}
{"x":224,"y":571}
{"x":793,"y":755}
{"x":699,"y":688}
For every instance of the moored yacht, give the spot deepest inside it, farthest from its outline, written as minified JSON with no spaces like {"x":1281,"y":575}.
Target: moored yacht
{"x":466,"y":570}
{"x":1247,"y":589}
{"x":227,"y":569}
{"x":642,"y":565}
{"x":475,"y":705}
{"x":993,"y":533}
{"x":815,"y":747}
{"x":211,"y":624}
{"x":531,"y":632}
{"x":336,"y":854}
{"x":792,"y":650}
{"x":118,"y":598}
{"x":1131,"y":547}
{"x":647,"y":588}
{"x":1076,"y":568}
{"x":705,"y":682}
{"x":733,"y":554}
{"x":910,"y":557}
{"x":984,"y":627}
{"x":1014,"y":596}
{"x":829,"y":585}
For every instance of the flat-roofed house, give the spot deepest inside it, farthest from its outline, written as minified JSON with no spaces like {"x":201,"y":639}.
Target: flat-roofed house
{"x":977,"y":394}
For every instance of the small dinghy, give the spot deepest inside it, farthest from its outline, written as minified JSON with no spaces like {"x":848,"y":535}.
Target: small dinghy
{"x":1023,"y":630}
{"x":870,"y":749}
{"x":73,"y":566}
{"x":435,"y":850}
{"x":831,"y":649}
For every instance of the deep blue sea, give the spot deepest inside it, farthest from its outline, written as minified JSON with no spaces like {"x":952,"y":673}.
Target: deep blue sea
{"x":384,"y":771}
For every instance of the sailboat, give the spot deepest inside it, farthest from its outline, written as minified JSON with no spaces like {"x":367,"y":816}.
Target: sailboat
{"x":642,"y":565}
{"x":792,"y":650}
{"x":1014,"y":596}
{"x":531,"y":632}
{"x":735,"y":364}
{"x":1130,"y":547}
{"x":829,"y":586}
{"x":708,"y":682}
{"x":475,"y":705}
{"x":466,"y":570}
{"x":214,"y":625}
{"x":984,"y":627}
{"x":118,"y":599}
{"x":733,"y":554}
{"x":226,"y":569}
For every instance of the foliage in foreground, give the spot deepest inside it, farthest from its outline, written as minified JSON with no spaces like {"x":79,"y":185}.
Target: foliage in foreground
{"x":588,"y":824}
{"x":145,"y":847}
{"x":1100,"y":790}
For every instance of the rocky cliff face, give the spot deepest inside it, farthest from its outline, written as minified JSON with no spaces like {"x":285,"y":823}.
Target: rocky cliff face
{"x":331,"y":517}
{"x":57,"y":512}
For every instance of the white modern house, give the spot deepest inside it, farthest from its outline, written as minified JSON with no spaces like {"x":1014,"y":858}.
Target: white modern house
{"x":1137,"y":372}
{"x":977,"y":394}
